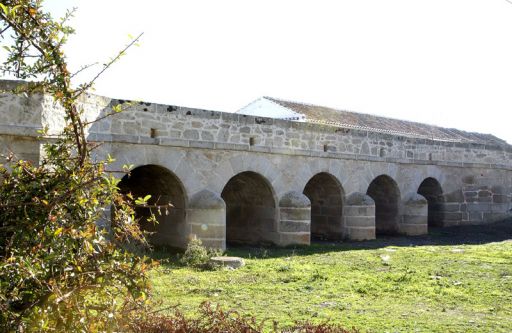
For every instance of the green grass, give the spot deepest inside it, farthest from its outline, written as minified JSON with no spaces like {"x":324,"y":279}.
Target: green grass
{"x":379,"y":286}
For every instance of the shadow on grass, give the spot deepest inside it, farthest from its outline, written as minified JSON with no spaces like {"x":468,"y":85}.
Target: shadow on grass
{"x":459,"y":235}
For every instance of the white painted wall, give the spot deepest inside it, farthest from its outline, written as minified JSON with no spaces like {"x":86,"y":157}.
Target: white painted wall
{"x":263,"y":107}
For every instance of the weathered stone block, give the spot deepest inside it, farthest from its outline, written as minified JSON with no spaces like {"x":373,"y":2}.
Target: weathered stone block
{"x":455,"y":196}
{"x":479,"y":207}
{"x":360,"y":221}
{"x":208,"y":231}
{"x":294,"y":226}
{"x":295,"y":214}
{"x":499,"y":198}
{"x":414,"y":229}
{"x":214,"y":243}
{"x":450,"y":207}
{"x":191,"y":134}
{"x":360,"y":234}
{"x":359,"y":211}
{"x":476,"y":216}
{"x":415,"y":219}
{"x":294,"y":238}
{"x":451,"y":217}
{"x":500,"y":207}
{"x":207,"y":136}
{"x":232,"y":262}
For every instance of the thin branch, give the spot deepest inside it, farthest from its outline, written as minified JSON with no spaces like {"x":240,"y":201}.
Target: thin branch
{"x":4,"y":30}
{"x":21,"y":32}
{"x":83,"y":68}
{"x":69,"y":14}
{"x":123,"y":108}
{"x":88,"y":85}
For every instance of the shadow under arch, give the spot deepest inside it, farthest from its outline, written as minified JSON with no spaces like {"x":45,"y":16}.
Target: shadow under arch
{"x":251,"y":210}
{"x":431,"y":189}
{"x":386,"y":194}
{"x":164,"y":188}
{"x":327,"y":197}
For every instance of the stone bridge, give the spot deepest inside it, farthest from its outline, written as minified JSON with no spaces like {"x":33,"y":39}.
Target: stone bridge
{"x":240,"y":179}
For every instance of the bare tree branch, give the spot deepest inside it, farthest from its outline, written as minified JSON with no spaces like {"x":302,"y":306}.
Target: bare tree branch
{"x":106,"y":66}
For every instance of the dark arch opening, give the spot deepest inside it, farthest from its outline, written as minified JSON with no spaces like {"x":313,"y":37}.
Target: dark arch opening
{"x":384,"y":191}
{"x":432,"y":191}
{"x":164,"y":187}
{"x":250,"y":210}
{"x":326,"y":196}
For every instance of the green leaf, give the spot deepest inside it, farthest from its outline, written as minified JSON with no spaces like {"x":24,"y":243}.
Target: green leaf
{"x":57,"y":232}
{"x":143,"y":201}
{"x":4,"y":8}
{"x":117,"y":108}
{"x":13,"y":10}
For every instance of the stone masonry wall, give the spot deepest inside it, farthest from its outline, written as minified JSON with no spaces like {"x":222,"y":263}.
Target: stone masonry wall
{"x":150,"y":123}
{"x":203,"y":150}
{"x":185,"y":127}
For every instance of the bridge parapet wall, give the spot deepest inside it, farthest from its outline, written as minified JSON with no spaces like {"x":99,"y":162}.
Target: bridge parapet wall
{"x":167,"y":125}
{"x":185,"y":127}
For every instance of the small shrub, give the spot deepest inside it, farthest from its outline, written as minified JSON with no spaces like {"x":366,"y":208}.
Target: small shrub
{"x":319,"y":328}
{"x":198,"y":256}
{"x":216,"y":320}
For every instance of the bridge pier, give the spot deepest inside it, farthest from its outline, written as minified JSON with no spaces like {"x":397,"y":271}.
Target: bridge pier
{"x":415,"y":212}
{"x":207,"y":219}
{"x":295,"y":219}
{"x":359,"y":217}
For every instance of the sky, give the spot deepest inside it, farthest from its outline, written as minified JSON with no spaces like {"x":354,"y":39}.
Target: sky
{"x":442,"y":62}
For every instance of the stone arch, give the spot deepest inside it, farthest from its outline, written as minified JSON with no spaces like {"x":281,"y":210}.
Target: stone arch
{"x":431,"y":189}
{"x":250,"y":210}
{"x":386,"y":194}
{"x":326,"y":195}
{"x":164,"y":188}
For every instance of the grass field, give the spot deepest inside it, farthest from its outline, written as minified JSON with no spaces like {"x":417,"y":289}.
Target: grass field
{"x":454,"y":280}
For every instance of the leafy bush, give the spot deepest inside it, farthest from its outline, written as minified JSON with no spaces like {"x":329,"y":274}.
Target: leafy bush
{"x":59,"y":270}
{"x":198,"y":256}
{"x":215,"y":320}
